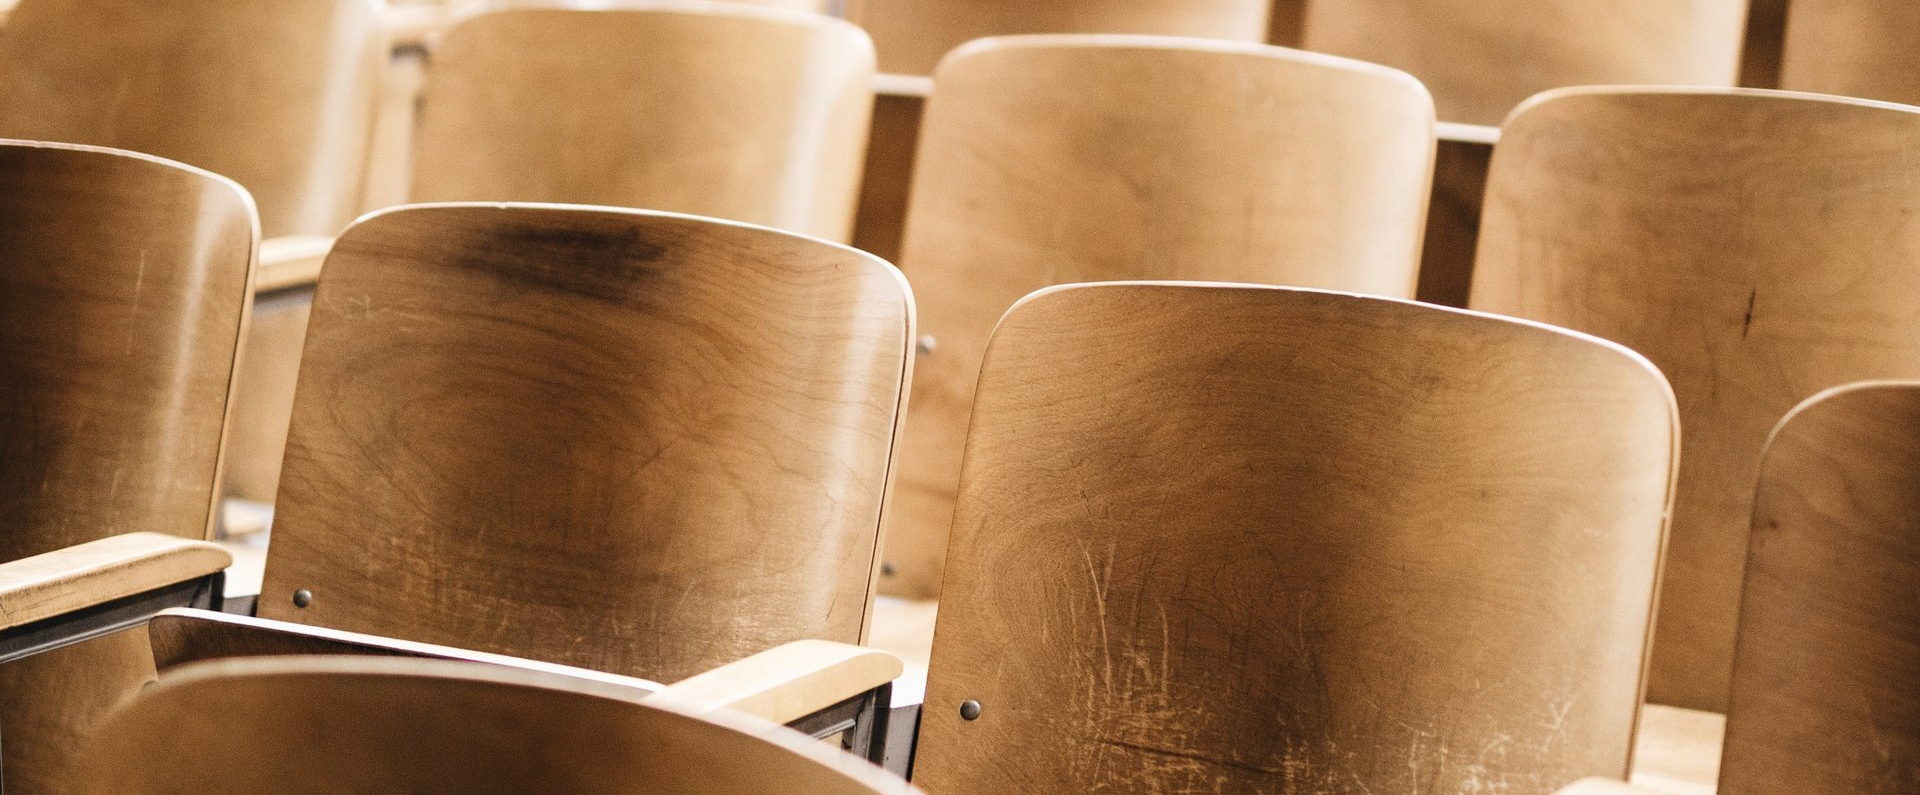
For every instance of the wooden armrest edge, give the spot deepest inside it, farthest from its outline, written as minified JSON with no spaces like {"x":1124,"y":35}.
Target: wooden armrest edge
{"x":785,"y":683}
{"x":290,"y":261}
{"x":49,"y":585}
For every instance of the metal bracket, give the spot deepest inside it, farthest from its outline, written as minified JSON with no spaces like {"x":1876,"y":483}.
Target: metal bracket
{"x":860,"y":721}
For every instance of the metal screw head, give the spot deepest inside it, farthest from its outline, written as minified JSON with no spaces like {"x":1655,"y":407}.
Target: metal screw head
{"x":302,"y":598}
{"x":926,"y":345}
{"x":969,"y":709}
{"x":887,"y":569}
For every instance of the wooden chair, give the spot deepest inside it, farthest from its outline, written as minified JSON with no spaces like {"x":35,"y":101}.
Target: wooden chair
{"x":1749,"y":243}
{"x":1050,"y":159}
{"x":1255,"y":539}
{"x":122,"y":299}
{"x":1481,"y":58}
{"x":913,"y":35}
{"x":1857,"y":48}
{"x":350,"y":725}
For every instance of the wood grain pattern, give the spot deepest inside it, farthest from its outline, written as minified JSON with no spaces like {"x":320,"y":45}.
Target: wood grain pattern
{"x":1824,"y":695}
{"x":338,"y":725}
{"x":1481,"y":58}
{"x":1052,"y":159}
{"x":1254,"y":539}
{"x":1856,"y":48}
{"x":121,"y":303}
{"x":913,"y":35}
{"x":729,"y":111}
{"x":83,"y":575}
{"x":276,"y":94}
{"x":1745,"y":241}
{"x":639,"y":443}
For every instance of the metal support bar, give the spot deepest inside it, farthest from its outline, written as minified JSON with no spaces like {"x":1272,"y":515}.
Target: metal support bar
{"x":860,"y":721}
{"x":898,"y":735}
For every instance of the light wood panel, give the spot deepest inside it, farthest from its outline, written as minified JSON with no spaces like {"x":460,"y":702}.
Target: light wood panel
{"x":1050,"y":159}
{"x":913,"y":35}
{"x":1828,"y":656}
{"x":276,"y":94}
{"x":318,"y":725}
{"x":1483,"y":57}
{"x":1751,"y":244}
{"x":122,"y":299}
{"x":1247,"y":539}
{"x":720,"y":110}
{"x":1857,"y":48}
{"x":638,"y":443}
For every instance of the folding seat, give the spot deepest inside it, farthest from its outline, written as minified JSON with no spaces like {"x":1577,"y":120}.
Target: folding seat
{"x":913,"y":35}
{"x":1050,"y":159}
{"x":1823,"y":696}
{"x":1230,"y":538}
{"x":355,"y":725}
{"x":1481,"y":58}
{"x":1856,"y":48}
{"x":123,"y":295}
{"x":1756,"y":246}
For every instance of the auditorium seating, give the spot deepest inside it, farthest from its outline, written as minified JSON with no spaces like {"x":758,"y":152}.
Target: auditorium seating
{"x":1859,"y":48}
{"x":913,"y":35}
{"x":1752,"y":245}
{"x":123,"y":292}
{"x":1241,"y":539}
{"x":1052,"y":159}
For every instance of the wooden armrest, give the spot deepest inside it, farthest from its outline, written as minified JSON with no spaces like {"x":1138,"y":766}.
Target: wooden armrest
{"x":1604,"y":786}
{"x":785,"y":683}
{"x":83,"y":575}
{"x":291,"y":261}
{"x":902,"y":85}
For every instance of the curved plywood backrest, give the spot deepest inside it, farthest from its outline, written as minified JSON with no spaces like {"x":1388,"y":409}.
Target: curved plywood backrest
{"x":1824,"y":671}
{"x":914,"y":35}
{"x":1253,"y":539}
{"x":1856,"y":48}
{"x":718,"y":109}
{"x":327,"y":725}
{"x":1483,"y":57}
{"x":1749,"y":243}
{"x":1051,"y":159}
{"x":639,"y":443}
{"x":276,"y":94}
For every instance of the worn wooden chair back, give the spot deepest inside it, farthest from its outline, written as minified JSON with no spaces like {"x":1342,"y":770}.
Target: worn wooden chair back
{"x":1823,"y":693}
{"x":122,"y":298}
{"x":522,"y":426}
{"x":1855,"y":48}
{"x":327,"y":725}
{"x":717,"y":109}
{"x":1254,"y":539}
{"x":1482,"y":57}
{"x":1051,"y":159}
{"x":913,"y":35}
{"x":276,"y":94}
{"x":1749,"y":243}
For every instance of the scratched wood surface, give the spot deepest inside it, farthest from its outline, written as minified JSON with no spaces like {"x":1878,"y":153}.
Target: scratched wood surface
{"x":638,"y":443}
{"x":1051,"y":159}
{"x":1856,"y":48}
{"x":121,"y":303}
{"x":1751,"y":244}
{"x":913,"y":35}
{"x":1247,"y":539}
{"x":1824,"y":694}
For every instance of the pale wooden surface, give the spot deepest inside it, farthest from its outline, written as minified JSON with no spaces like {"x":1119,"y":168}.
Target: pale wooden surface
{"x":1483,"y":57}
{"x":123,"y":294}
{"x":1859,"y":48}
{"x":1601,"y":786}
{"x":1677,"y":751}
{"x":55,"y":583}
{"x":1826,"y":681}
{"x":313,"y":725}
{"x":784,"y":683}
{"x":1051,"y":159}
{"x":723,"y":110}
{"x":519,"y":427}
{"x":1750,"y":244}
{"x":913,"y":35}
{"x":1249,"y":539}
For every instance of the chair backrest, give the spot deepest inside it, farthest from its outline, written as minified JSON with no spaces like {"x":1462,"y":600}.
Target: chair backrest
{"x":913,"y":35}
{"x":1254,"y":539}
{"x":1856,"y":48}
{"x":1483,"y":57}
{"x":326,"y":725}
{"x":1823,"y":680}
{"x":1052,"y":159}
{"x":1752,"y":244}
{"x":718,"y":109}
{"x":276,"y":94}
{"x":520,"y":426}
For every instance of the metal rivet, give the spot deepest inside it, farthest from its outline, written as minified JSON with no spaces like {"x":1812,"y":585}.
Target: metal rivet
{"x":926,"y":345}
{"x":887,"y":569}
{"x":302,"y":598}
{"x":969,"y":709}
